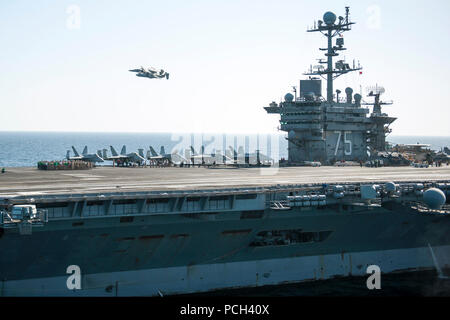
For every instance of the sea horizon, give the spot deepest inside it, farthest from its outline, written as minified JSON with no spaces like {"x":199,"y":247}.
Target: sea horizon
{"x":26,"y":148}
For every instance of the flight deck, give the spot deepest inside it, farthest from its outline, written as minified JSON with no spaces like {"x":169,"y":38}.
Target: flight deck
{"x":30,"y":181}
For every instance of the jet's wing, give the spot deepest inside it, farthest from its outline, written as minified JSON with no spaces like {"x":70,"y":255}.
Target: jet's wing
{"x":135,"y":157}
{"x":92,"y":158}
{"x":177,"y":158}
{"x":152,"y":70}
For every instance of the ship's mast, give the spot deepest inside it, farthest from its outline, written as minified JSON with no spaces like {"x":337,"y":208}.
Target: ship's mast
{"x":330,"y":29}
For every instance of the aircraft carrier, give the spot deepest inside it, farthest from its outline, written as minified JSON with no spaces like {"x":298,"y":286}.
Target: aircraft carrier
{"x":161,"y":231}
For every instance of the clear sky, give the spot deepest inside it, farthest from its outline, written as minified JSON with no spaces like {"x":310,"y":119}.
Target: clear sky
{"x":64,"y":64}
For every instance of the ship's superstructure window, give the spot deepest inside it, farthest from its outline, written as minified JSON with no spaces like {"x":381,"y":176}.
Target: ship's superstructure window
{"x":288,"y":237}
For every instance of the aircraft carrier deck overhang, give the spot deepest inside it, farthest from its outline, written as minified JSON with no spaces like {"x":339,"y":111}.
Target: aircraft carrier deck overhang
{"x":30,"y":183}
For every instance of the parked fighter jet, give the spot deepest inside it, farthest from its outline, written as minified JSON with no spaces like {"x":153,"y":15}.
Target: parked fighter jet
{"x":93,"y":157}
{"x":207,"y":159}
{"x":150,"y":73}
{"x":163,"y":157}
{"x":124,"y":159}
{"x":242,"y":158}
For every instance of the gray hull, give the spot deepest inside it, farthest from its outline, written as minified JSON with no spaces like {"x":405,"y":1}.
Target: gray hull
{"x":199,"y":252}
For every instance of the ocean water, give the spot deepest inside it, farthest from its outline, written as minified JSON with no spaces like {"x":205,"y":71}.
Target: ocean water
{"x":20,"y":149}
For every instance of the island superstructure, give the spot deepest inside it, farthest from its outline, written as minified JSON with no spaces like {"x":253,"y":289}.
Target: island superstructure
{"x":332,"y":128}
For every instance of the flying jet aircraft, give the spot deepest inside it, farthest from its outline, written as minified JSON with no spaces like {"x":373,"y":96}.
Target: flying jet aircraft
{"x":150,"y":73}
{"x":124,"y":158}
{"x":85,"y":156}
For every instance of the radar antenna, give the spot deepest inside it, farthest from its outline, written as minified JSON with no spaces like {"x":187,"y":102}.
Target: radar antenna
{"x":329,"y":28}
{"x":376,"y":91}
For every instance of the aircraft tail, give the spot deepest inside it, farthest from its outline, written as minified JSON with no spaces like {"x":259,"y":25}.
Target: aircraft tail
{"x":233,"y":152}
{"x":113,"y":151}
{"x":167,"y":76}
{"x":153,"y":152}
{"x":162,"y":151}
{"x":68,"y":154}
{"x":99,"y":153}
{"x":141,"y":152}
{"x":105,"y":154}
{"x":193,"y":151}
{"x":188,"y":154}
{"x":124,"y":150}
{"x":85,"y":151}
{"x":75,"y":152}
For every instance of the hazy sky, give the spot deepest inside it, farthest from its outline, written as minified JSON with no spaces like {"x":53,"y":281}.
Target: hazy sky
{"x":64,"y":64}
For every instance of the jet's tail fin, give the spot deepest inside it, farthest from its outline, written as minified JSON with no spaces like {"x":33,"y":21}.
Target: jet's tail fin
{"x":233,"y":152}
{"x":167,"y":76}
{"x":105,"y":154}
{"x":68,"y":154}
{"x":141,"y":152}
{"x":162,"y":151}
{"x":124,"y":150}
{"x":153,"y":152}
{"x":99,"y":153}
{"x":85,"y":151}
{"x":113,"y":151}
{"x":75,"y":152}
{"x":193,"y":151}
{"x":188,"y":154}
